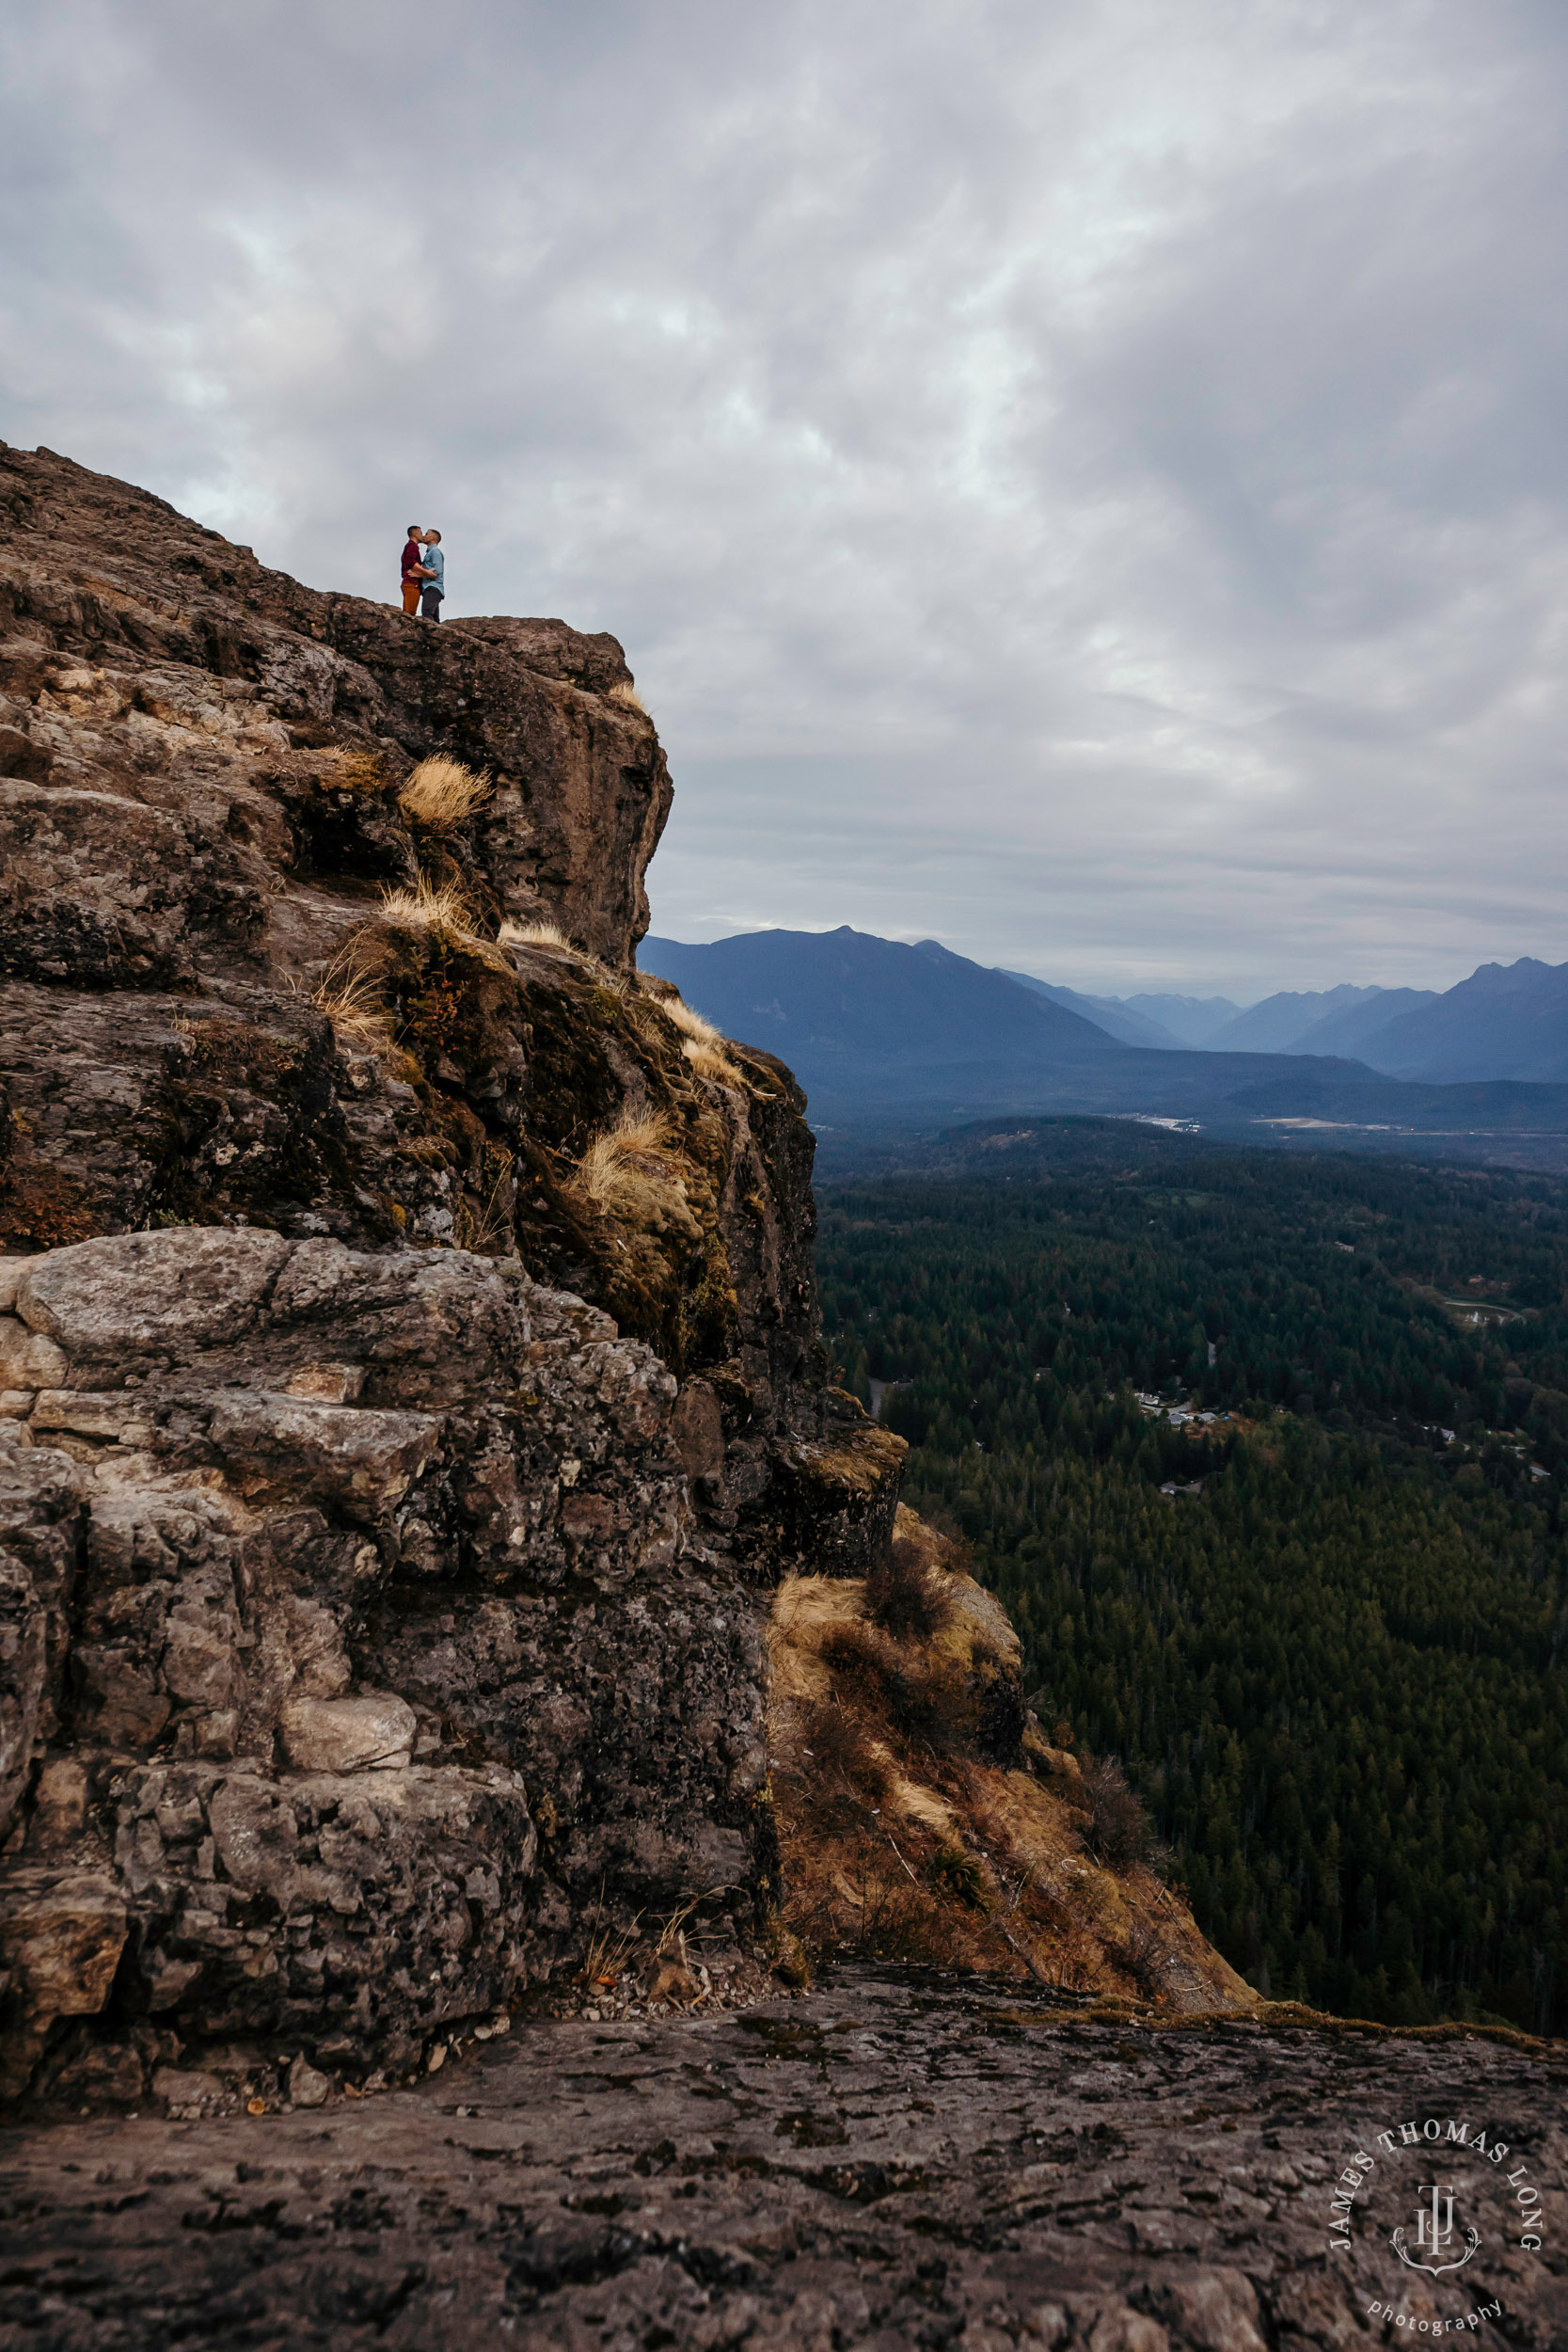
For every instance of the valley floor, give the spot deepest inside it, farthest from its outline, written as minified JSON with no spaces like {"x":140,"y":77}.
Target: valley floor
{"x":892,"y":2160}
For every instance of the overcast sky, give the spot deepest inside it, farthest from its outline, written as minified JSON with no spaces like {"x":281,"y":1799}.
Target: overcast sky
{"x":1086,"y":483}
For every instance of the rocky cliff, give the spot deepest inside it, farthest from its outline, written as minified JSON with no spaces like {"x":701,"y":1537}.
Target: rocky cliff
{"x":410,"y":1388}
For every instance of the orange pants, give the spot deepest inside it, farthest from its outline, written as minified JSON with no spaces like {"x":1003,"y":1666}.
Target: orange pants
{"x":411,"y":595}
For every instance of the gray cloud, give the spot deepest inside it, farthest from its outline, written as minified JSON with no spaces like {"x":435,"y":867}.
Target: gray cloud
{"x":1086,"y":482}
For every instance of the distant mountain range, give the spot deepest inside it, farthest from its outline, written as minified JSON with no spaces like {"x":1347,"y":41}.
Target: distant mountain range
{"x":1279,"y":1024}
{"x":1506,"y":1020}
{"x":1188,"y":1020}
{"x":1355,"y":1027}
{"x":1118,"y":1019}
{"x":874,"y":1027}
{"x":879,"y":1031}
{"x":843,"y":1005}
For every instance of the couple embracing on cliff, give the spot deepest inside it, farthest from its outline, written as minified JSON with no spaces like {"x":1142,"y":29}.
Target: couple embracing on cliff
{"x":424,"y":573}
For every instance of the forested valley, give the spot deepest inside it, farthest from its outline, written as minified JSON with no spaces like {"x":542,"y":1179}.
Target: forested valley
{"x":1324,"y":1629}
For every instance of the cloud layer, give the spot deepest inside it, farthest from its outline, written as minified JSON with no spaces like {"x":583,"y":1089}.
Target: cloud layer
{"x":1083,"y":481}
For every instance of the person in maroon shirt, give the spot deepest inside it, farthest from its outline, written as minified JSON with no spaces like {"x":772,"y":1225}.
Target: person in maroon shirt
{"x":413,"y":570}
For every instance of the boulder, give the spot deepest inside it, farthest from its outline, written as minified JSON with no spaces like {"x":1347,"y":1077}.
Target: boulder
{"x":61,"y":1935}
{"x":144,"y":1292}
{"x":375,"y":1730}
{"x":307,"y":2086}
{"x":29,"y":1359}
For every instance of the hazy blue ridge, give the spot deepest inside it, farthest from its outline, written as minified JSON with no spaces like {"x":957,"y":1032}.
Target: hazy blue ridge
{"x":847,"y":996}
{"x":892,"y":1036}
{"x":1356,"y":1027}
{"x":1279,"y":1024}
{"x":1506,"y":1020}
{"x":1190,"y":1020}
{"x":1131,"y":1028}
{"x":876,"y":1026}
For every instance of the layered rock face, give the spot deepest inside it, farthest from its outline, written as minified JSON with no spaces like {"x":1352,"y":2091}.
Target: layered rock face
{"x":409,"y":1379}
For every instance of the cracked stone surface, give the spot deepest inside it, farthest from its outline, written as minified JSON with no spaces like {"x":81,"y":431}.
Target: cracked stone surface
{"x":889,"y":2161}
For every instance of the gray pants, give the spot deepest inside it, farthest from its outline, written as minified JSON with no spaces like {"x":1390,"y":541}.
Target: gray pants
{"x":430,"y":604}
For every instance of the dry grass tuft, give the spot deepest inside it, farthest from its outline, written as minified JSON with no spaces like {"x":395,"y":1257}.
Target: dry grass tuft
{"x":440,"y":909}
{"x":711,"y":1062}
{"x":691,"y":1025}
{"x":609,"y":1954}
{"x":629,"y":696}
{"x":487,"y":1228}
{"x":428,"y":907}
{"x":705,"y":1047}
{"x":633,"y":1174}
{"x":443,"y":794}
{"x":533,"y":935}
{"x":638,"y":1139}
{"x":348,"y":994}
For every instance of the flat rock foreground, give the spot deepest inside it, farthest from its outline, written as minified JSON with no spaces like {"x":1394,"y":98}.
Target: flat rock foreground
{"x":891,"y":2160}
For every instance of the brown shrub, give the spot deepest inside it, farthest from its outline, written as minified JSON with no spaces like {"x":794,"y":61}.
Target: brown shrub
{"x":863,"y":1897}
{"x":919,"y":1700}
{"x":849,"y":1776}
{"x":961,"y":1878}
{"x":43,"y":1207}
{"x":1119,"y":1832}
{"x":904,"y":1592}
{"x":860,"y":1658}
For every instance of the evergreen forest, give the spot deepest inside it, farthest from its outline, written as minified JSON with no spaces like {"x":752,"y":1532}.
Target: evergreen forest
{"x":1321,"y":1620}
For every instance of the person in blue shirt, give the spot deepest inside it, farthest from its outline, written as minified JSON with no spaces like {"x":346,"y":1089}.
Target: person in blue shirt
{"x":434,"y":586}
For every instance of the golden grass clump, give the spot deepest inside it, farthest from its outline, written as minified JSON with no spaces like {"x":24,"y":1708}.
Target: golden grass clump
{"x":632,"y":1173}
{"x":443,"y":794}
{"x":533,"y":935}
{"x":629,"y":696}
{"x":619,"y":1162}
{"x":705,"y":1047}
{"x":440,"y":909}
{"x":711,"y":1062}
{"x":695,"y":1026}
{"x":346,"y":991}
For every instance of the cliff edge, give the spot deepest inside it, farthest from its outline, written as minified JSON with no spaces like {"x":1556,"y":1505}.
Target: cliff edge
{"x":410,"y":1387}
